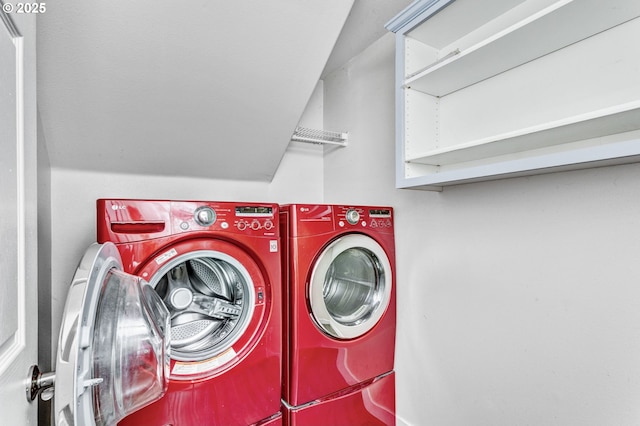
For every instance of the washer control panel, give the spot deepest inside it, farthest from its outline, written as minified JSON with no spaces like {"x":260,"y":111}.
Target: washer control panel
{"x":127,"y":220}
{"x":253,"y":219}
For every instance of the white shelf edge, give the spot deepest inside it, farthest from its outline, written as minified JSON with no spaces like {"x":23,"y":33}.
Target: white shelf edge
{"x":606,"y":121}
{"x":452,"y":73}
{"x":415,"y":12}
{"x":596,"y":156}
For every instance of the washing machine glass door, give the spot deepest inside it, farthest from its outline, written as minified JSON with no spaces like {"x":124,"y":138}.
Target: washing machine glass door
{"x":112,"y":356}
{"x":350,"y":286}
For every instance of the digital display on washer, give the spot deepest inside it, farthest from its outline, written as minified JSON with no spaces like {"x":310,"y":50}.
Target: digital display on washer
{"x":380,"y":213}
{"x":254,"y":211}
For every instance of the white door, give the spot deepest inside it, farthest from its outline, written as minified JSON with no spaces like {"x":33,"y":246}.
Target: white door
{"x":18,"y":216}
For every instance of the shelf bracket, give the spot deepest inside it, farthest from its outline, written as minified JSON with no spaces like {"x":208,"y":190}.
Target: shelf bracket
{"x":303,"y":134}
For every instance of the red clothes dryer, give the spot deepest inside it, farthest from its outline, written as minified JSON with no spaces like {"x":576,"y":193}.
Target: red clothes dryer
{"x":216,"y":266}
{"x":340,"y":314}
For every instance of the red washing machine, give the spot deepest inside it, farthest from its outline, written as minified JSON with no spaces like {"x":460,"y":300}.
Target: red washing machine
{"x":340,"y":315}
{"x":216,"y":266}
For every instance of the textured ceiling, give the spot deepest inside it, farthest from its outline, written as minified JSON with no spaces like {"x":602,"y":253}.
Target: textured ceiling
{"x":202,"y":88}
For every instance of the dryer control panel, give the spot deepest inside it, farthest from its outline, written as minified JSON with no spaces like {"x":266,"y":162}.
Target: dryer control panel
{"x":312,"y":219}
{"x":367,"y":217}
{"x":128,"y":220}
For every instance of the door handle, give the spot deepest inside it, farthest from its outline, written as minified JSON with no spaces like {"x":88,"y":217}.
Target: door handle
{"x":40,"y":384}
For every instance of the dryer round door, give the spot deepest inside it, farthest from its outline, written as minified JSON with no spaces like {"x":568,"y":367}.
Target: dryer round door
{"x":112,"y":356}
{"x":350,"y":286}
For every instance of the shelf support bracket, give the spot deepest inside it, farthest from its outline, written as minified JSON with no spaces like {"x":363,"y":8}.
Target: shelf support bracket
{"x":322,"y":137}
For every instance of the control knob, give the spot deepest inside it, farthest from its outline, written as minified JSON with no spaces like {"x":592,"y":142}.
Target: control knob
{"x":352,"y":216}
{"x":204,"y":216}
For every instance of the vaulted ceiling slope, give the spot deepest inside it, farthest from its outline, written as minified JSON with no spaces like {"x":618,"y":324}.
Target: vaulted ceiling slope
{"x":202,"y":88}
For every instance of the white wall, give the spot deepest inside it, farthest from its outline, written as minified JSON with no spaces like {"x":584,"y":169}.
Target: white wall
{"x":518,"y":300}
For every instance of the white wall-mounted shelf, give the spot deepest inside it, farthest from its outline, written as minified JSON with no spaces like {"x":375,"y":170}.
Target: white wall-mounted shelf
{"x":617,"y":119}
{"x":482,"y":83}
{"x":510,"y":41}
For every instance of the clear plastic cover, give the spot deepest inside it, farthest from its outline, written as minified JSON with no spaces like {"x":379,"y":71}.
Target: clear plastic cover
{"x":130,"y":347}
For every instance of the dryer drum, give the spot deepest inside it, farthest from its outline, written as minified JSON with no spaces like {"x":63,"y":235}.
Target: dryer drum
{"x":206,"y":299}
{"x":351,"y":288}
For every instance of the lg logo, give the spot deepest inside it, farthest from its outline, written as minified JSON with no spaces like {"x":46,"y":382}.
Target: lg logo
{"x":117,"y":207}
